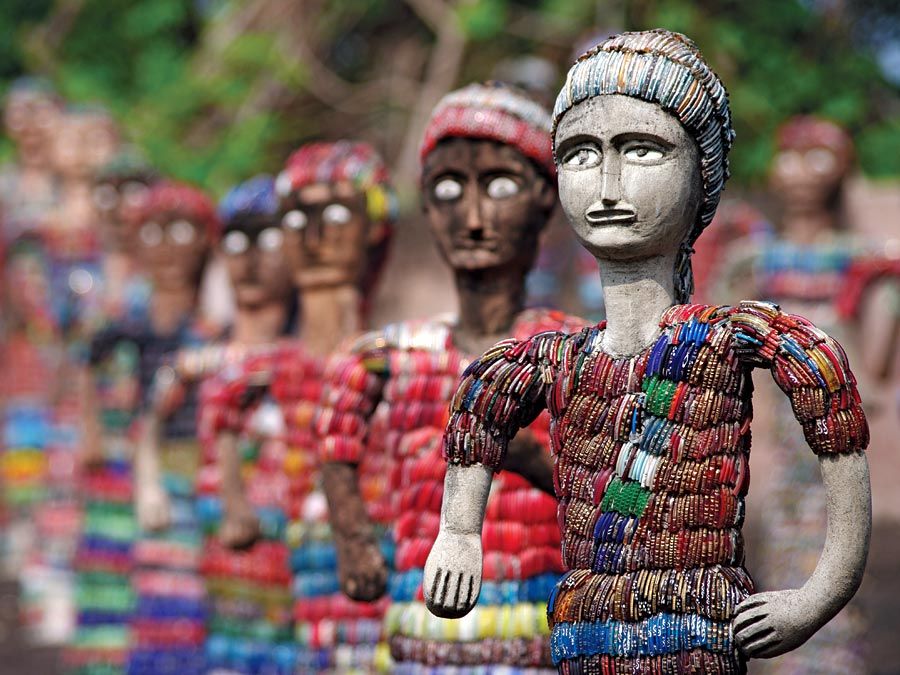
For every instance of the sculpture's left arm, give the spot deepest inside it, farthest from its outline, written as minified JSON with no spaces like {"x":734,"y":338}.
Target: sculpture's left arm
{"x":812,"y":369}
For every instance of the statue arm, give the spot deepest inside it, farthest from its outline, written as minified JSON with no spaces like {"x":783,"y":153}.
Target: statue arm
{"x":349,"y":397}
{"x":773,"y":623}
{"x":812,"y":369}
{"x":500,"y":393}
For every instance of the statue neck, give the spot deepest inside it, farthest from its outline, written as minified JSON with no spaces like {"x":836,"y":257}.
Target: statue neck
{"x":808,"y":226}
{"x":259,"y":325}
{"x":169,"y":307}
{"x":489,"y":302}
{"x":636,"y":294}
{"x":330,"y":316}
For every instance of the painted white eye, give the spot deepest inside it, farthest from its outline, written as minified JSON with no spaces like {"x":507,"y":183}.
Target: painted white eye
{"x":235,"y":243}
{"x":270,"y":239}
{"x":336,"y":214}
{"x":582,"y":157}
{"x":643,"y":153}
{"x":151,"y":234}
{"x":105,"y":197}
{"x":182,"y":232}
{"x":283,"y":184}
{"x":502,"y":187}
{"x":294,"y":220}
{"x":447,"y":190}
{"x":821,"y":160}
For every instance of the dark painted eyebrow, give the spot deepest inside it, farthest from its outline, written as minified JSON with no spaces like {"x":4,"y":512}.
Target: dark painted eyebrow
{"x":627,"y":136}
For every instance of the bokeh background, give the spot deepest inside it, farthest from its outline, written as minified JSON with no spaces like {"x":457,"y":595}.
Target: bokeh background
{"x":214,"y":91}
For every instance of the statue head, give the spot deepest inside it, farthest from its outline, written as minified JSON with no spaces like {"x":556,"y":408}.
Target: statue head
{"x":86,"y":139}
{"x":338,"y":209}
{"x":252,"y":244}
{"x":487,"y":177}
{"x":641,"y":135}
{"x":812,"y":160}
{"x":176,"y":227}
{"x":120,"y":188}
{"x":31,"y":114}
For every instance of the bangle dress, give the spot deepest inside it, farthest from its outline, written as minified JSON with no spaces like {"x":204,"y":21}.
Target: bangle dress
{"x":651,"y":468}
{"x":386,"y":408}
{"x":330,"y":632}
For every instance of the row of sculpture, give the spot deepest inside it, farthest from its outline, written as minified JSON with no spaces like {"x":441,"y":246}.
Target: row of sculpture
{"x":510,"y":490}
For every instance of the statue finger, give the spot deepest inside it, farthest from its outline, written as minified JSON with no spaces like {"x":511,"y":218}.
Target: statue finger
{"x":759,"y":642}
{"x":749,"y":617}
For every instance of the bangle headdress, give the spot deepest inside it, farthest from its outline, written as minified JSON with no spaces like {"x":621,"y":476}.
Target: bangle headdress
{"x":494,"y":112}
{"x":180,"y":200}
{"x":253,"y":199}
{"x":665,"y":68}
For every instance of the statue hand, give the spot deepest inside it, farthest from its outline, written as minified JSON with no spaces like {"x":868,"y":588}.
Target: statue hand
{"x":774,"y":623}
{"x":152,"y":506}
{"x":453,"y":574}
{"x":240,"y":527}
{"x":362,"y":569}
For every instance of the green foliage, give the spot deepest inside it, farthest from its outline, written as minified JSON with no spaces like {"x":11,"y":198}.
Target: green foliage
{"x":202,"y":107}
{"x":778,"y":59}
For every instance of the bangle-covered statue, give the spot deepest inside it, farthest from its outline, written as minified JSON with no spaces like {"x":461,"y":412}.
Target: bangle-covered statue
{"x":110,"y":395}
{"x":487,"y":190}
{"x":651,"y":410}
{"x":337,"y":209}
{"x":175,"y":228}
{"x":249,"y":612}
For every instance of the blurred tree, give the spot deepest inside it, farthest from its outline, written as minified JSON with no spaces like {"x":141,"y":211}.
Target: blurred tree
{"x":217,"y":89}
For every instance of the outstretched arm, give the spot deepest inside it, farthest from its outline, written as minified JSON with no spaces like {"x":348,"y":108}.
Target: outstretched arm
{"x":240,"y":525}
{"x":348,"y":400}
{"x":499,"y":394}
{"x":151,"y":501}
{"x":770,"y":624}
{"x":453,"y":569}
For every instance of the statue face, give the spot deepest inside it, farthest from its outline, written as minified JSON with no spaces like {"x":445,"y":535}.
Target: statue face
{"x":486,"y":204}
{"x":116,"y":202}
{"x":807,"y":178}
{"x":83,"y":144}
{"x":629,"y":177}
{"x":326,"y":234}
{"x":30,"y":120}
{"x":173,"y":250}
{"x":254,"y":257}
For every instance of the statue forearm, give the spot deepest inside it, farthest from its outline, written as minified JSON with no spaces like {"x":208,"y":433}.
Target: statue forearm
{"x":346,"y":508}
{"x":361,"y":567}
{"x":772,"y":623}
{"x":839,"y":571}
{"x":466,"y":490}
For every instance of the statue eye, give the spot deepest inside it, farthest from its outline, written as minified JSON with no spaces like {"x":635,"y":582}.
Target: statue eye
{"x":582,"y":157}
{"x":106,"y":197}
{"x":151,"y":234}
{"x":235,"y":243}
{"x":336,"y":214}
{"x":821,"y":160}
{"x":502,"y":187}
{"x":447,"y":189}
{"x":643,"y":153}
{"x":182,"y":232}
{"x":294,"y":220}
{"x":270,"y":239}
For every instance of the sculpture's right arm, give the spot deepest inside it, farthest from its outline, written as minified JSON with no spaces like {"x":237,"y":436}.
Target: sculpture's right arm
{"x":499,"y":394}
{"x":349,"y":397}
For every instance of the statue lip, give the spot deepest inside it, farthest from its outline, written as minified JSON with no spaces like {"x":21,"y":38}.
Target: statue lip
{"x":598,"y":215}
